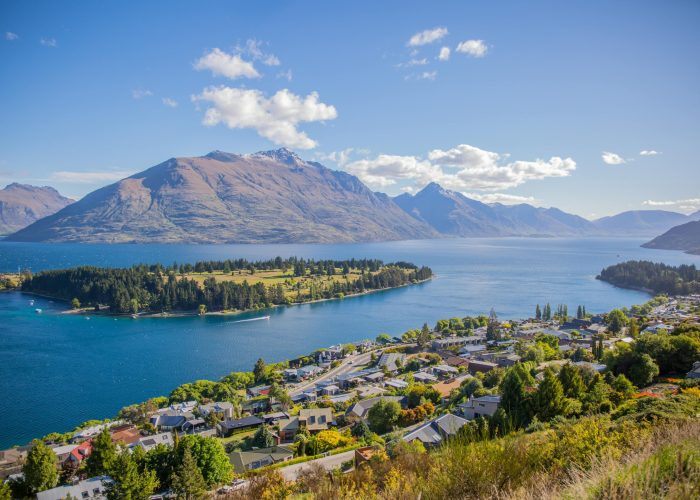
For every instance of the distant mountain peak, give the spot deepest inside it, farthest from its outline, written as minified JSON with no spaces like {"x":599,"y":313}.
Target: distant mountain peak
{"x":23,"y":204}
{"x":222,"y":156}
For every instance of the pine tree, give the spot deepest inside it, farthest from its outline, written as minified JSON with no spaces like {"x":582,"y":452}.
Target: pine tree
{"x":127,"y":482}
{"x":572,"y":382}
{"x":104,"y":452}
{"x":259,"y":370}
{"x":40,"y":468}
{"x":187,"y":480}
{"x":423,"y":338}
{"x":538,"y":312}
{"x":549,"y":401}
{"x":263,"y":438}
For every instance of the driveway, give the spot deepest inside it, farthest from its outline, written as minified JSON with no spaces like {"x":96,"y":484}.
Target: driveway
{"x":291,"y":472}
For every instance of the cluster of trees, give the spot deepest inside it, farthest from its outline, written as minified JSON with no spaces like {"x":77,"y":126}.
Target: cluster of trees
{"x":154,"y":289}
{"x":192,"y":467}
{"x":461,"y":325}
{"x":657,"y":277}
{"x":561,"y":313}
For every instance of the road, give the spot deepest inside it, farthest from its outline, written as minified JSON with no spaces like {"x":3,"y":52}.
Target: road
{"x":291,"y":472}
{"x":345,"y":366}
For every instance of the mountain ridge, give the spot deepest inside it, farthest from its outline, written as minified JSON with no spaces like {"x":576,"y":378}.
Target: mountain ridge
{"x":685,"y":237}
{"x":23,"y":204}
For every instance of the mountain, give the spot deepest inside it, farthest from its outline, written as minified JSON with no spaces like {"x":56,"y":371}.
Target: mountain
{"x":695,"y":215}
{"x":22,"y":204}
{"x":685,"y":237}
{"x":452,"y":213}
{"x":640,"y":222}
{"x":266,"y":197}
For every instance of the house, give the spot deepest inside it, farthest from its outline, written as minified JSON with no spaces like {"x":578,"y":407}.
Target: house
{"x":150,"y":442}
{"x":11,"y":461}
{"x":290,"y":374}
{"x":171,"y":421}
{"x":257,"y":391}
{"x":479,"y":407}
{"x":369,"y":391}
{"x":508,"y":361}
{"x":695,"y":371}
{"x":595,"y":366}
{"x":194,"y":426}
{"x":228,"y":427}
{"x":73,"y":453}
{"x":396,"y":383}
{"x":93,"y":489}
{"x":63,"y":452}
{"x":364,"y":454}
{"x":446,"y":388}
{"x":341,"y":398}
{"x":359,"y":410}
{"x":424,"y":377}
{"x":352,"y":379}
{"x":315,"y":419}
{"x":657,"y":328}
{"x":449,"y":342}
{"x":223,"y":408}
{"x":481,"y":366}
{"x":92,"y":431}
{"x":576,"y":324}
{"x":244,"y":461}
{"x":471,"y":350}
{"x":374,"y":377}
{"x":391,"y":361}
{"x":444,"y":371}
{"x":437,"y":430}
{"x":288,"y":428}
{"x":330,"y":390}
{"x":455,"y":361}
{"x":271,"y":418}
{"x":308,"y":371}
{"x":125,"y":434}
{"x":257,"y":405}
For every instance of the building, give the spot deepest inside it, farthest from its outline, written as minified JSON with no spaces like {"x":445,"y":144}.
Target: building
{"x":396,"y":383}
{"x":424,"y":377}
{"x":150,"y":442}
{"x":391,"y":361}
{"x":228,"y":427}
{"x":92,"y":489}
{"x":11,"y":461}
{"x":437,"y":430}
{"x":695,"y":371}
{"x":125,"y":434}
{"x":481,"y":366}
{"x":508,"y":360}
{"x":194,"y":426}
{"x":315,"y":419}
{"x":449,"y":342}
{"x":444,"y":371}
{"x":287,"y":428}
{"x":223,"y":408}
{"x":244,"y":461}
{"x":470,"y":350}
{"x":257,"y":391}
{"x":479,"y":407}
{"x":359,"y":410}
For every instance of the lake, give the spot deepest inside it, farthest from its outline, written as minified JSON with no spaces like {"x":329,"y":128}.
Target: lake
{"x":59,"y":370}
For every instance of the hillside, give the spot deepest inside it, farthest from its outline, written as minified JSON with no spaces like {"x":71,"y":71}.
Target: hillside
{"x":267,"y":197}
{"x":22,"y":204}
{"x":452,"y":213}
{"x":640,"y":222}
{"x":685,"y":237}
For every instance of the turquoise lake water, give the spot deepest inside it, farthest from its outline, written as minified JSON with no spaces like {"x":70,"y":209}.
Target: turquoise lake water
{"x":59,"y":370}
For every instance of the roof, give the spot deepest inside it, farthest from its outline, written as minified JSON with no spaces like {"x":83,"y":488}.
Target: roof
{"x":434,"y":431}
{"x":241,"y":423}
{"x":242,"y":460}
{"x":316,"y":418}
{"x":391,"y":360}
{"x":396,"y":382}
{"x":361,"y":408}
{"x":445,"y":368}
{"x":65,"y":449}
{"x":76,"y":490}
{"x":424,"y":376}
{"x":288,"y":424}
{"x":126,"y":434}
{"x":445,"y":388}
{"x":149,"y":442}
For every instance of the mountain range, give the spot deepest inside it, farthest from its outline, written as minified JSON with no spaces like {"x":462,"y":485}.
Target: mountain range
{"x":277,"y":197}
{"x":21,"y":204}
{"x":685,"y":237}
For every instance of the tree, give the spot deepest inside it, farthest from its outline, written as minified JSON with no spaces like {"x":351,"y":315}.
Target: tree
{"x":383,"y":415}
{"x":383,"y":338}
{"x":104,"y":452}
{"x":572,"y":382}
{"x":515,"y":399}
{"x":616,"y":320}
{"x":202,"y":309}
{"x":187,"y":480}
{"x":623,"y":388}
{"x":361,"y":430}
{"x":211,"y":458}
{"x":423,"y":338}
{"x":259,"y":371}
{"x":5,"y":491}
{"x":40,"y":468}
{"x":538,"y":312}
{"x":75,"y":303}
{"x":263,"y":438}
{"x":549,"y":401}
{"x":127,"y":483}
{"x":643,"y":370}
{"x":493,"y":328}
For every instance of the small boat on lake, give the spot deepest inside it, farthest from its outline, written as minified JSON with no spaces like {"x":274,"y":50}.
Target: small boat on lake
{"x":38,"y":311}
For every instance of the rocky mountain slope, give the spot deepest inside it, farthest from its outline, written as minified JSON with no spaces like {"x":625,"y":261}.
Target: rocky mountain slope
{"x":22,"y":204}
{"x":267,"y":197}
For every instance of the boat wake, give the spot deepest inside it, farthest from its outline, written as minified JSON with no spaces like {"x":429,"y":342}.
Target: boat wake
{"x":249,"y":319}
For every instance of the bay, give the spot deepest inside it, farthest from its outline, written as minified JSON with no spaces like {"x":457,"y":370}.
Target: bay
{"x":57,"y":370}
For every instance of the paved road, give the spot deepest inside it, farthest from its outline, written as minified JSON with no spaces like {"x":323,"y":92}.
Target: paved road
{"x":291,"y":472}
{"x":348,"y":364}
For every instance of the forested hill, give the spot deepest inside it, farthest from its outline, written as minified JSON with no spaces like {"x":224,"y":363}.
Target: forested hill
{"x":230,"y":285}
{"x":654,"y":277}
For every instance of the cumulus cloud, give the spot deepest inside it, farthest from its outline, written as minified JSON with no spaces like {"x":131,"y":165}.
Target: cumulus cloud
{"x":649,"y":152}
{"x":171,"y":103}
{"x":685,"y":205}
{"x":48,"y":42}
{"x":473,"y":48}
{"x":504,"y":198}
{"x":340,"y":158}
{"x":462,"y":168}
{"x":444,"y":54}
{"x":141,"y":93}
{"x":90,"y":177}
{"x":612,"y":158}
{"x":229,"y":65}
{"x":11,"y":36}
{"x":427,"y":36}
{"x":275,"y":118}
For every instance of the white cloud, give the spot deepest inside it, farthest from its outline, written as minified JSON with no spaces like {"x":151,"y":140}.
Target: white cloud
{"x":229,"y":65}
{"x":141,"y":93}
{"x":612,"y":158}
{"x":11,"y":36}
{"x":48,"y":42}
{"x":340,"y":158}
{"x":171,"y":103}
{"x":686,"y":205}
{"x":287,"y":75}
{"x":504,"y":198}
{"x":474,"y":48}
{"x":253,"y":48}
{"x":427,"y":36}
{"x":427,"y":75}
{"x":444,"y":54}
{"x":463,"y":168}
{"x":90,"y":177}
{"x":413,"y":62}
{"x":649,"y":152}
{"x":275,"y":118}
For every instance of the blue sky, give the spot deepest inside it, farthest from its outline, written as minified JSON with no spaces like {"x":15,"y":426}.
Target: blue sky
{"x":548,"y":102}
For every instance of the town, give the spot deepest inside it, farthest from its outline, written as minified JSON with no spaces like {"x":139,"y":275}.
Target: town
{"x":348,"y":404}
